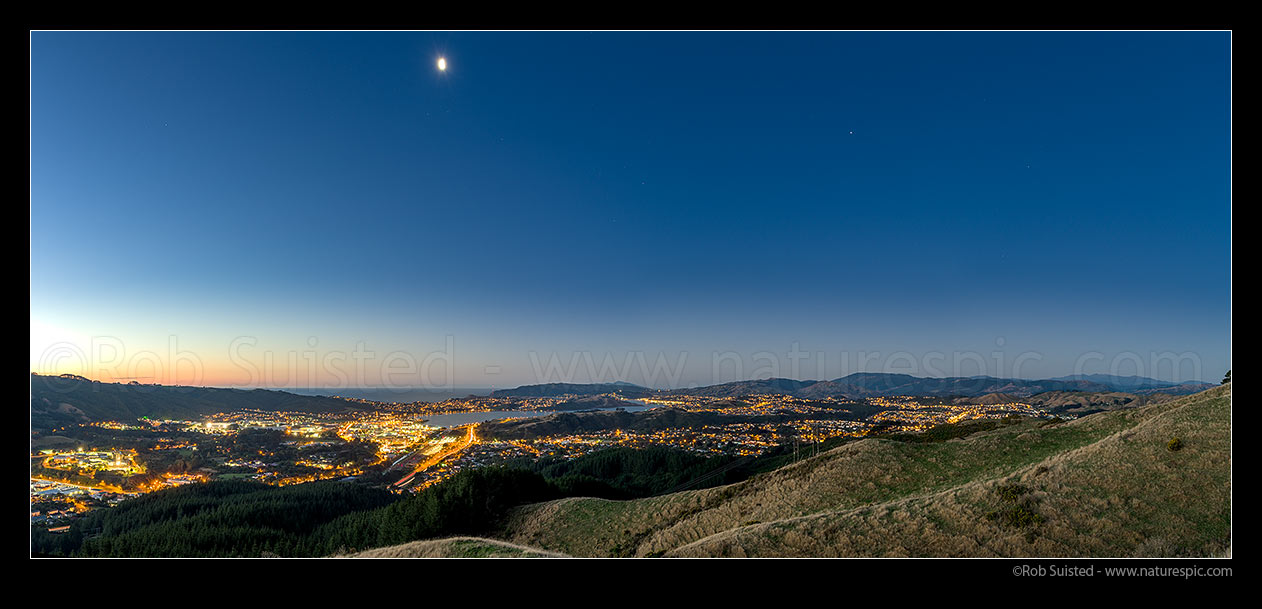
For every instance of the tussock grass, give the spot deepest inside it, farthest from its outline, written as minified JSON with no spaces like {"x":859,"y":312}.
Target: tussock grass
{"x":1102,"y":485}
{"x":456,"y":547}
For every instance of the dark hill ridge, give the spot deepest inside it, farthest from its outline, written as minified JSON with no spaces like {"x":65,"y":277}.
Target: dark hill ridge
{"x":57,"y":401}
{"x":883,"y":385}
{"x":1180,"y":389}
{"x":593,"y":402}
{"x":874,"y":384}
{"x":558,"y":389}
{"x":1133,"y":384}
{"x":1079,"y":403}
{"x":740,"y":388}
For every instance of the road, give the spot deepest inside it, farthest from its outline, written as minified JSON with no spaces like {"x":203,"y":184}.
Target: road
{"x":439,"y":456}
{"x":103,"y":489}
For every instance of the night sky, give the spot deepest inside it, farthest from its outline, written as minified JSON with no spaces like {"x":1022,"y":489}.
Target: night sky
{"x":1047,"y":196}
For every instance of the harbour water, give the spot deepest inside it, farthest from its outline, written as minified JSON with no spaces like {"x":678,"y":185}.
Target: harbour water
{"x":454,"y":419}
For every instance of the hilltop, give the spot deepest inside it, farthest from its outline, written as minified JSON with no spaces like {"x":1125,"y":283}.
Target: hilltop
{"x":1103,"y":485}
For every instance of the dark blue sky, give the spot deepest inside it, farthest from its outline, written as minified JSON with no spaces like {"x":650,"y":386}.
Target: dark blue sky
{"x":1055,"y":194}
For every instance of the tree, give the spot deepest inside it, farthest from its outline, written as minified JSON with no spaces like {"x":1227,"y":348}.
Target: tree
{"x":1227,"y":379}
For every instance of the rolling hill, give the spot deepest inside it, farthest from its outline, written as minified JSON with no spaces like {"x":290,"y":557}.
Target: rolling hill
{"x":1105,"y":485}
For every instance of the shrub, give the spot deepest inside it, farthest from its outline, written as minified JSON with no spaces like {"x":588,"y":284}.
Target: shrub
{"x":1014,"y":511}
{"x":1021,"y":517}
{"x":1012,"y":492}
{"x":1175,"y":445}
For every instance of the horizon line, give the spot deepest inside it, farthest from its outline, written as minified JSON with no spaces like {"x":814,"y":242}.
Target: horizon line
{"x":451,"y":388}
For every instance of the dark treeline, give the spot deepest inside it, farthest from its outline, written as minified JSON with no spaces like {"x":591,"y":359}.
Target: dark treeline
{"x":236,"y":518}
{"x":471,"y":502}
{"x":223,"y":518}
{"x":629,"y":473}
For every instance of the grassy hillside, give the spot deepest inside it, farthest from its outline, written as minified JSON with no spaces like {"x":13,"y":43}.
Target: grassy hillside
{"x":1104,"y":485}
{"x":456,"y":547}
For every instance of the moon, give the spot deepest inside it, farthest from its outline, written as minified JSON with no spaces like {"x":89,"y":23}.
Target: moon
{"x":442,"y":64}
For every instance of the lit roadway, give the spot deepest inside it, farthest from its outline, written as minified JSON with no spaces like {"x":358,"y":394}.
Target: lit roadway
{"x":438,"y":457}
{"x":103,"y":487}
{"x":108,"y":489}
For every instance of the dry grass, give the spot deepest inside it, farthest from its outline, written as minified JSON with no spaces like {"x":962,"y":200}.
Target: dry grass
{"x":1104,"y":485}
{"x":457,"y":547}
{"x":1124,"y":495}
